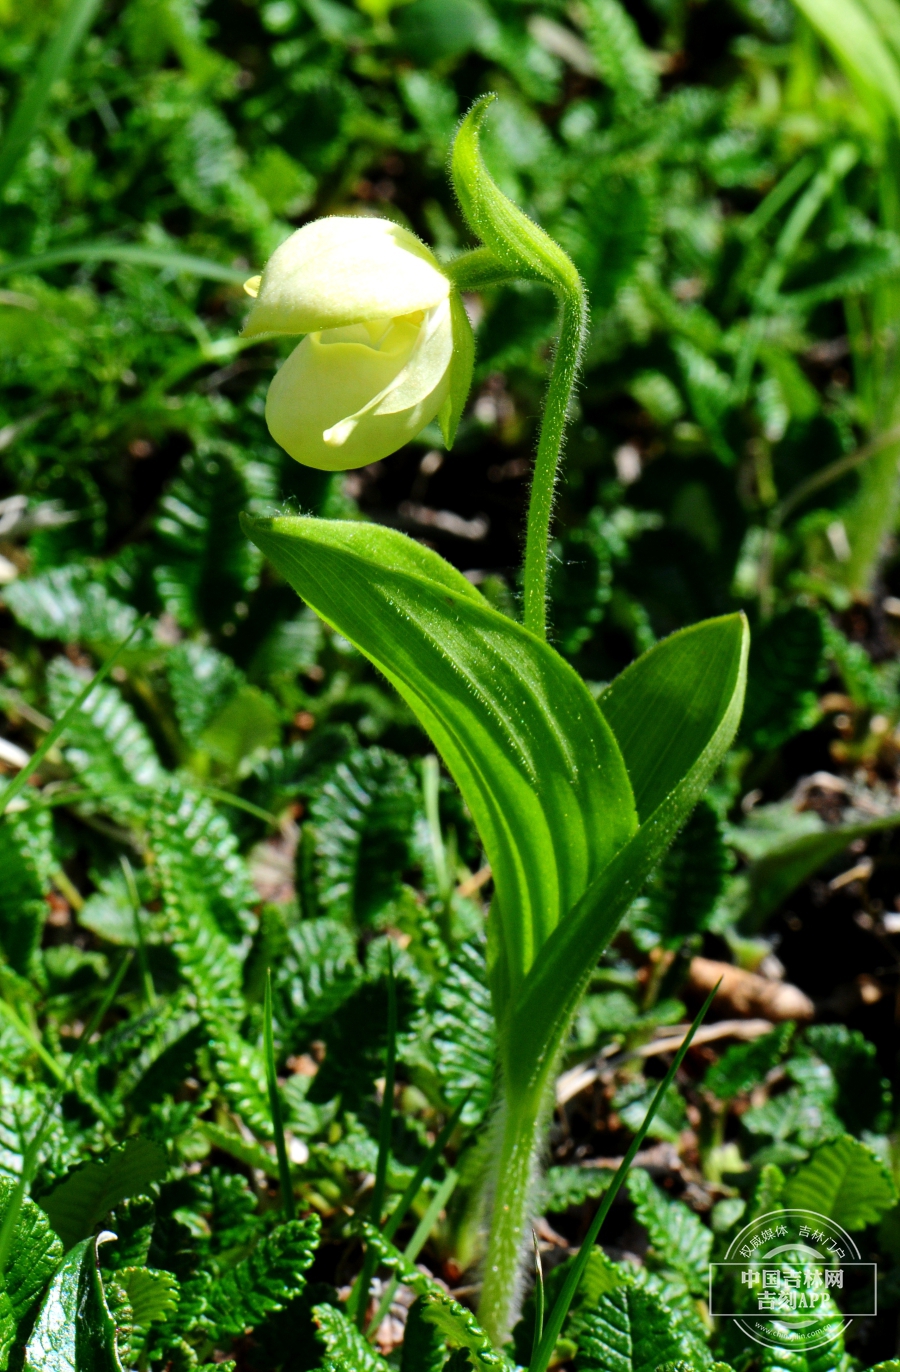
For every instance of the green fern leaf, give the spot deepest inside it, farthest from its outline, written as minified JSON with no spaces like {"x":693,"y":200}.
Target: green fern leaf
{"x":151,"y":1295}
{"x":206,"y":897}
{"x":463,"y":1044}
{"x":68,"y":604}
{"x":845,"y":1181}
{"x":106,"y":745}
{"x":27,"y":862}
{"x":622,"y":60}
{"x":423,"y":1348}
{"x":682,"y":893}
{"x":458,"y":1325}
{"x":864,"y":1096}
{"x":316,"y":974}
{"x":743,"y":1065}
{"x":202,"y":680}
{"x":679,"y":1239}
{"x":346,"y":1348}
{"x":132,"y":1222}
{"x":292,"y":647}
{"x":168,"y":1051}
{"x":205,"y":564}
{"x":363,"y":817}
{"x":265,"y":1281}
{"x":201,"y":843}
{"x":564,"y":1188}
{"x":784,"y":669}
{"x":239,"y":1068}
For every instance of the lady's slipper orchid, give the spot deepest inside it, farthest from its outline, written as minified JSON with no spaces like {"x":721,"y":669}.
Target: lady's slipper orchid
{"x":388,"y":346}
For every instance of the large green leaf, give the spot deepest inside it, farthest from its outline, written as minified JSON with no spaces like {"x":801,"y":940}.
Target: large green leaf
{"x":75,"y":1331}
{"x":852,"y":32}
{"x":34,"y":1255}
{"x":845,"y":1181}
{"x":674,"y":713}
{"x":531,"y":753}
{"x":87,"y":1194}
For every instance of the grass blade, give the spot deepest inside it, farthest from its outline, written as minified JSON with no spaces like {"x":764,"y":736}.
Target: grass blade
{"x":284,"y":1170}
{"x":18,"y":785}
{"x":538,"y":1299}
{"x":359,"y":1296}
{"x":423,"y":1171}
{"x":29,"y":1037}
{"x":78,"y":17}
{"x":541,"y":1359}
{"x":416,"y":1244}
{"x":32,"y":1151}
{"x":131,"y":887}
{"x":387,"y":1103}
{"x":133,"y":253}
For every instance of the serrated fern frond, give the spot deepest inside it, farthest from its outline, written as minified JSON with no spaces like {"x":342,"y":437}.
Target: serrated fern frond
{"x":27,"y":862}
{"x":106,"y":744}
{"x":69,"y":604}
{"x":266,"y":1280}
{"x":363,"y":819}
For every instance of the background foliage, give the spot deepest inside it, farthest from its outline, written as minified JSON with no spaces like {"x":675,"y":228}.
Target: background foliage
{"x":243,"y":792}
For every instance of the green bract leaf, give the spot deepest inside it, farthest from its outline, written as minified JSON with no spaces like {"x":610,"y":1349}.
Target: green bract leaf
{"x":533,"y":757}
{"x":850,"y":30}
{"x":845,"y":1181}
{"x":90,"y":1192}
{"x":75,"y":1331}
{"x":460,"y":369}
{"x":519,"y":243}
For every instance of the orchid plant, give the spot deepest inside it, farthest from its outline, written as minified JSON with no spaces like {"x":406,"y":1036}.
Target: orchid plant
{"x":574,"y":799}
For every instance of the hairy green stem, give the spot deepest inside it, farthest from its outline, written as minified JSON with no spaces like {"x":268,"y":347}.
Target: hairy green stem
{"x":476,"y":270}
{"x":556,"y":410}
{"x":520,"y":1129}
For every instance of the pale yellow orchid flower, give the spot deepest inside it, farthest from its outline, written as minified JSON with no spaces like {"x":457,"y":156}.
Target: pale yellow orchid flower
{"x":388,"y":347}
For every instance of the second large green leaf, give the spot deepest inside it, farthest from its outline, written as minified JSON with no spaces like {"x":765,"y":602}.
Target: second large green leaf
{"x":534,"y":758}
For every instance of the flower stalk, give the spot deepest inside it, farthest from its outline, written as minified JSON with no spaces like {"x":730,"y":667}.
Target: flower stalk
{"x":574,"y":806}
{"x":566,"y":363}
